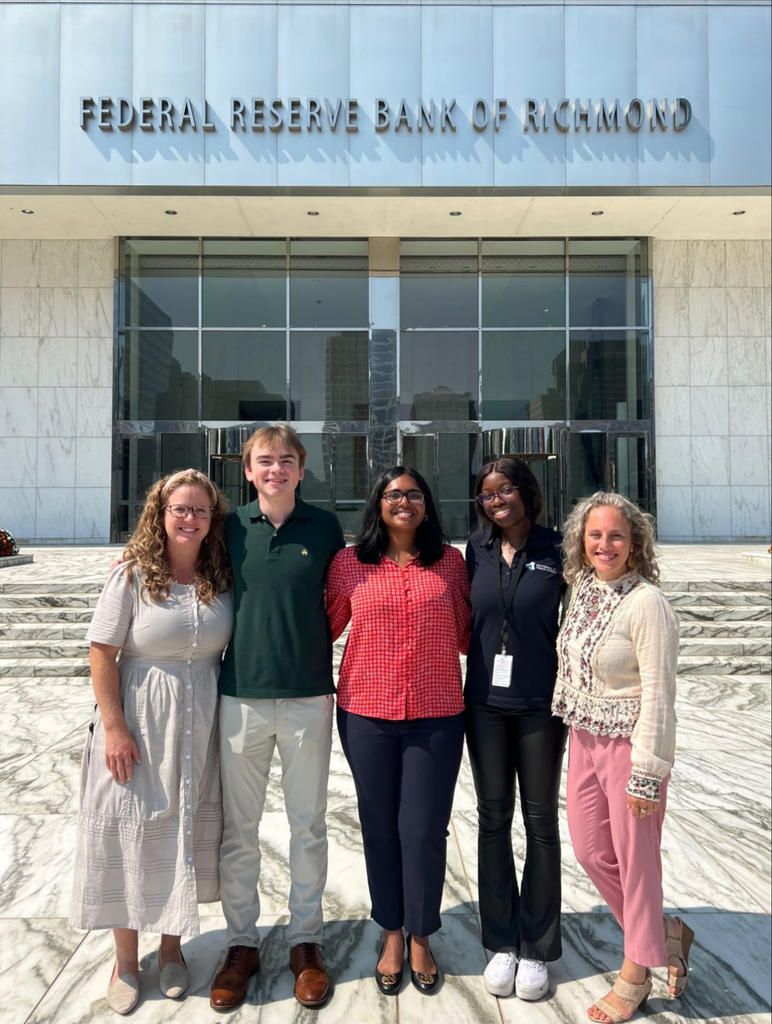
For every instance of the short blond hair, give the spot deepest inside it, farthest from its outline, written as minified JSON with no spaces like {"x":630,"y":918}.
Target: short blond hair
{"x":273,"y":437}
{"x":642,"y":554}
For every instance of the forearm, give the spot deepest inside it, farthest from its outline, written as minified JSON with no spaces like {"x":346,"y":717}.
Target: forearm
{"x":106,"y":683}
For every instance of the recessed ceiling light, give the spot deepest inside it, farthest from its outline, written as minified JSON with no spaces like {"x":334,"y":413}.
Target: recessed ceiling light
{"x":28,"y":212}
{"x":312,"y":213}
{"x":454,"y":213}
{"x":170,"y":213}
{"x":737,"y":213}
{"x":597,"y":213}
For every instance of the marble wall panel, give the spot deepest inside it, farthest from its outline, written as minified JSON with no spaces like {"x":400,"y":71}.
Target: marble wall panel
{"x":748,"y":363}
{"x":674,"y":460}
{"x":18,"y":510}
{"x":671,"y":360}
{"x":59,"y":263}
{"x":707,"y":361}
{"x":21,"y":263}
{"x":749,"y":460}
{"x":93,"y":459}
{"x":710,"y":461}
{"x":95,"y":312}
{"x":56,"y":412}
{"x":92,"y":514}
{"x":748,"y":410}
{"x":58,"y":362}
{"x":751,"y":511}
{"x":707,"y":312}
{"x":712,"y":512}
{"x":766,"y":261}
{"x":745,"y":312}
{"x":669,"y":260}
{"x":672,"y":411}
{"x":95,"y":362}
{"x":56,"y":462}
{"x":96,"y":259}
{"x":55,"y":513}
{"x":706,"y":263}
{"x":18,"y":457}
{"x":674,"y":513}
{"x":671,"y":311}
{"x":95,"y":412}
{"x":709,"y":411}
{"x":18,"y":412}
{"x":744,"y":263}
{"x":58,"y":313}
{"x":19,"y":312}
{"x":18,"y":362}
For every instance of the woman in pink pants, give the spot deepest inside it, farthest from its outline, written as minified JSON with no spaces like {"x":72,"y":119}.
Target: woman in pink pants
{"x":617,"y":651}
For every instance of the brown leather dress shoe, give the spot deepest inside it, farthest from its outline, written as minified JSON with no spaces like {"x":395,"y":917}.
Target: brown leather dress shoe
{"x":229,"y":988}
{"x":312,"y":983}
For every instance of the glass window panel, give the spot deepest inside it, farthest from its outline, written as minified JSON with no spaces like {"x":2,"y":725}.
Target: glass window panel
{"x":586,"y":465}
{"x":523,"y":284}
{"x":438,"y":375}
{"x":352,"y":474}
{"x":629,"y":454}
{"x":160,"y":283}
{"x":329,"y":284}
{"x":438,"y":283}
{"x":329,"y":376}
{"x":608,"y":283}
{"x":244,"y":284}
{"x":608,"y":376}
{"x":456,"y":456}
{"x":135,"y":470}
{"x":316,"y":485}
{"x":244,"y":375}
{"x":158,"y":375}
{"x":181,"y":451}
{"x":418,"y":453}
{"x":524,"y":375}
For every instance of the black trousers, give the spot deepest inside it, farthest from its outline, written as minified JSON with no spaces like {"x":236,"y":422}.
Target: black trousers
{"x":405,"y":774}
{"x":504,"y":748}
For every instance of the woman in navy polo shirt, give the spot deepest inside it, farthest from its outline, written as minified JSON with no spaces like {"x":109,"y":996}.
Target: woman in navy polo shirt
{"x":513,"y":738}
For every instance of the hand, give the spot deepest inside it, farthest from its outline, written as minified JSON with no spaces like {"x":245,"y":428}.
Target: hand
{"x":121,"y":754}
{"x":641,"y":808}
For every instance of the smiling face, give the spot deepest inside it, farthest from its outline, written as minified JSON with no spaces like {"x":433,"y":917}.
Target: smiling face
{"x":185,"y":536}
{"x":505,"y":510}
{"x":404,"y":517}
{"x":607,"y":542}
{"x":275,"y":472}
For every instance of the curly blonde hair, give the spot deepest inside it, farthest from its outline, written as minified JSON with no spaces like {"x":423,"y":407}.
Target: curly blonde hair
{"x":146,"y":550}
{"x":642,"y":554}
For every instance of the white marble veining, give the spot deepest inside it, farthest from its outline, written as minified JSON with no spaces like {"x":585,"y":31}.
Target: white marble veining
{"x":92,"y":461}
{"x":95,"y":412}
{"x":749,"y":460}
{"x":716,"y":851}
{"x":56,"y":412}
{"x":59,"y":263}
{"x":92,"y":513}
{"x":58,"y":362}
{"x":670,"y":263}
{"x":744,"y":263}
{"x":673,"y":412}
{"x":55,"y":513}
{"x":95,"y":263}
{"x":95,"y":312}
{"x":709,"y":410}
{"x":748,"y":361}
{"x":95,"y":362}
{"x":18,"y":457}
{"x":671,"y":360}
{"x":674,"y":460}
{"x":671,"y":311}
{"x":707,"y":312}
{"x":745,"y":312}
{"x":710,"y":461}
{"x":58,"y":313}
{"x":18,"y":362}
{"x":20,"y":262}
{"x":751,"y":511}
{"x":56,"y":462}
{"x":706,"y":263}
{"x":18,"y":412}
{"x":748,"y":408}
{"x":19,"y":308}
{"x":708,"y":361}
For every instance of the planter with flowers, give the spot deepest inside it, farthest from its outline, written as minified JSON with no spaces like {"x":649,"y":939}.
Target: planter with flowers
{"x":9,"y":551}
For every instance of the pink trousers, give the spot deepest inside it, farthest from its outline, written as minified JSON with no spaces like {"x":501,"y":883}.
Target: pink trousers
{"x":620,"y":853}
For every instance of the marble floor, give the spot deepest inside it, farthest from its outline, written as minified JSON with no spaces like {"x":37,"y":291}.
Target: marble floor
{"x":716,"y":853}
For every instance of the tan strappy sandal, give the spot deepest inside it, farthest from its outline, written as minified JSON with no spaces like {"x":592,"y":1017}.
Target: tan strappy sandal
{"x":636,"y":995}
{"x":678,"y":942}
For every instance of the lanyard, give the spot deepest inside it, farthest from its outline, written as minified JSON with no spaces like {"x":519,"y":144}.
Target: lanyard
{"x":520,"y":557}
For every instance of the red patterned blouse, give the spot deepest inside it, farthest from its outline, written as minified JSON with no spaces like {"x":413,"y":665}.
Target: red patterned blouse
{"x":408,"y":626}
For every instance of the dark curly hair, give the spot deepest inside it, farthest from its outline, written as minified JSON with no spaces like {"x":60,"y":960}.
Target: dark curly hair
{"x":518,"y":472}
{"x":372,"y":541}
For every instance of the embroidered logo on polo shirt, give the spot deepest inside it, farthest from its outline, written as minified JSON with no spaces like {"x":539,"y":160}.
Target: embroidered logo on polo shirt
{"x":303,"y":552}
{"x":543,"y":568}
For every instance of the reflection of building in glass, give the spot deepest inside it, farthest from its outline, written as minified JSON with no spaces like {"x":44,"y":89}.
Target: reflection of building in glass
{"x":442,"y":403}
{"x":347,"y":375}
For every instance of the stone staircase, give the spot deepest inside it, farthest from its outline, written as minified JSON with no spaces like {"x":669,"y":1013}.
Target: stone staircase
{"x":725,"y":627}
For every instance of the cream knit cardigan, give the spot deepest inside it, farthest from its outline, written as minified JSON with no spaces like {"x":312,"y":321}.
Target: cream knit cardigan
{"x":617,"y":661}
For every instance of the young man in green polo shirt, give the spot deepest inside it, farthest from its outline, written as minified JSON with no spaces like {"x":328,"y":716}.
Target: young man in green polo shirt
{"x":276,"y":692}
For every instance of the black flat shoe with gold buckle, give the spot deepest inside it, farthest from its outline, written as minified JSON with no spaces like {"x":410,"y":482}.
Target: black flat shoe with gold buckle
{"x":426,"y":983}
{"x":389,"y":984}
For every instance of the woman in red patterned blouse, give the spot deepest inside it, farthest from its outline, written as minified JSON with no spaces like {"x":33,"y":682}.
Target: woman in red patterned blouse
{"x":400,"y":709}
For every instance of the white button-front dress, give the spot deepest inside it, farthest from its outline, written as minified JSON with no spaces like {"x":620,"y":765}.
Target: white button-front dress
{"x":147,"y":851}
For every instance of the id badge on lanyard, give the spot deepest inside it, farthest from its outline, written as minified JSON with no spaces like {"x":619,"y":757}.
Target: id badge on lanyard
{"x":503,"y":663}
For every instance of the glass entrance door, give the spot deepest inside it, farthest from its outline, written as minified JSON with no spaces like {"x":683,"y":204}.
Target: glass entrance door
{"x":448,"y":461}
{"x":227,"y":471}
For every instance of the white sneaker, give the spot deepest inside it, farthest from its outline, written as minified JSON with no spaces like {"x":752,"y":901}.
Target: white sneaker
{"x":533,"y":979}
{"x":499,"y":975}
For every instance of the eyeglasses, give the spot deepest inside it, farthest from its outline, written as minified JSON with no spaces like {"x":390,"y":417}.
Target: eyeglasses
{"x":394,"y":497}
{"x":180,"y":511}
{"x":503,"y":493}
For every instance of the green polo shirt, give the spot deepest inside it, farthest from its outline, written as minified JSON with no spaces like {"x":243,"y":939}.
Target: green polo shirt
{"x":281,"y":639}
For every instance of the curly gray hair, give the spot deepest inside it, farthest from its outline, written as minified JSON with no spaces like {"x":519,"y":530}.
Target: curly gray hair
{"x":642,"y":554}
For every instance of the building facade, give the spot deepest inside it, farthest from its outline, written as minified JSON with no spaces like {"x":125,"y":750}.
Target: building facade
{"x":427,"y":232}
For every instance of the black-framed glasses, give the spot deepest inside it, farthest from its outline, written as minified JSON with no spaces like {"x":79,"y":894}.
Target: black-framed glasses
{"x":415,"y":497}
{"x":198,"y":511}
{"x":505,"y":492}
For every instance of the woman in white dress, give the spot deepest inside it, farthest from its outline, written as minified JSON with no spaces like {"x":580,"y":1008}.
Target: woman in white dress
{"x":151,"y":814}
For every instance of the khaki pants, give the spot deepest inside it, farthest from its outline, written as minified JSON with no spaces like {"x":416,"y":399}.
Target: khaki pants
{"x":301,"y":730}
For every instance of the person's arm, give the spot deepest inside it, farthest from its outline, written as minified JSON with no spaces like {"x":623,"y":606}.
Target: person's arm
{"x":337,"y":597}
{"x":121,"y":752}
{"x":462,"y":609}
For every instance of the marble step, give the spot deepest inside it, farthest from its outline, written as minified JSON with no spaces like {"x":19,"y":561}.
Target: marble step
{"x":709,"y":598}
{"x":709,"y":586}
{"x":42,"y":648}
{"x":65,"y":587}
{"x":726,"y":613}
{"x":721,"y":646}
{"x":29,"y":668}
{"x":723,"y":627}
{"x":63,"y":600}
{"x":55,"y":630}
{"x":38,"y":614}
{"x":730,"y":665}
